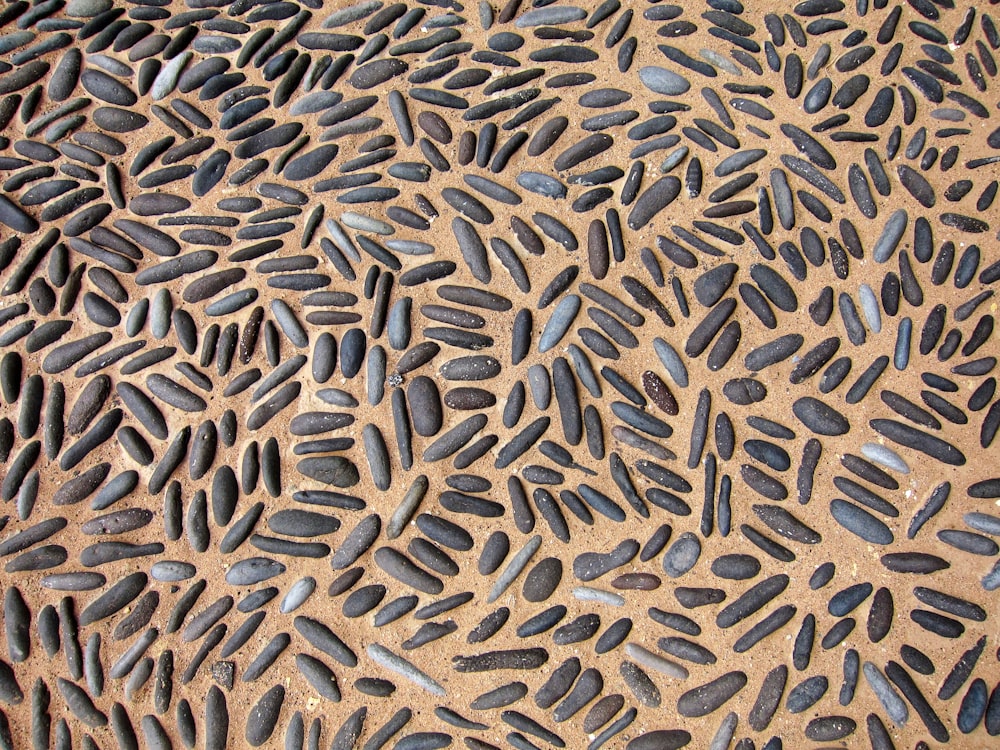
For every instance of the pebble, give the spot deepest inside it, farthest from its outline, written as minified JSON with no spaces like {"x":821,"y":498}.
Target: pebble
{"x":861,"y":522}
{"x":589,"y":566}
{"x":906,"y":685}
{"x":401,"y":568}
{"x":806,"y":693}
{"x":682,"y":555}
{"x":263,"y":717}
{"x":668,"y":739}
{"x":641,"y":686}
{"x":590,"y":594}
{"x":648,"y":659}
{"x":707,"y":698}
{"x":885,"y":456}
{"x":653,"y":200}
{"x":542,"y":580}
{"x":663,"y":81}
{"x":514,"y":568}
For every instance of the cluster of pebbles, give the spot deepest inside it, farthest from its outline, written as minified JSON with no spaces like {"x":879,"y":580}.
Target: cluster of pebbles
{"x":431,"y":374}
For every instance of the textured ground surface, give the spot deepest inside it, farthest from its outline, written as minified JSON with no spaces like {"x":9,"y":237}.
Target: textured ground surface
{"x":422,"y":375}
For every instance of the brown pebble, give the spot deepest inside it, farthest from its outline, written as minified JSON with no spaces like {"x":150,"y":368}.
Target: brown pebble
{"x":637,"y":581}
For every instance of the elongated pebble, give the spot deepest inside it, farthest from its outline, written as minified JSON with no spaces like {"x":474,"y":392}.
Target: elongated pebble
{"x":386,"y":658}
{"x":892,"y":232}
{"x":653,"y":200}
{"x":672,"y":362}
{"x":514,"y":567}
{"x":650,"y":660}
{"x":926,"y":443}
{"x":516,"y":659}
{"x":706,"y":698}
{"x":590,"y":594}
{"x":885,"y":456}
{"x":860,"y":522}
{"x":663,"y":81}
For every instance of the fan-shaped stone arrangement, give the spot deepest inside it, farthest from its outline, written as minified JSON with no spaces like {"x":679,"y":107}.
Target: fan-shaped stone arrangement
{"x":423,"y":374}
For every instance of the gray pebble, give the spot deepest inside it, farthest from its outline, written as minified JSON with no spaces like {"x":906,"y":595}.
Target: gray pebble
{"x":663,"y":81}
{"x":682,"y":555}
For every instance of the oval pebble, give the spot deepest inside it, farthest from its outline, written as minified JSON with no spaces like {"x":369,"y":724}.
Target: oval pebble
{"x":662,"y":81}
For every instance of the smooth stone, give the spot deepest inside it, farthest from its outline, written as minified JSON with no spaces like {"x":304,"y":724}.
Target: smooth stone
{"x":402,"y":569}
{"x":663,"y":81}
{"x":682,"y":555}
{"x":819,"y":417}
{"x":830,"y":728}
{"x":805,"y":695}
{"x":654,"y":199}
{"x":660,"y":739}
{"x":87,"y":8}
{"x":706,"y":698}
{"x":425,"y":406}
{"x":542,"y":580}
{"x":253,"y":570}
{"x":736,"y":567}
{"x":302,"y":523}
{"x":589,"y":566}
{"x":892,"y":233}
{"x":642,"y":687}
{"x":550,"y":16}
{"x":895,"y":707}
{"x":263,"y":717}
